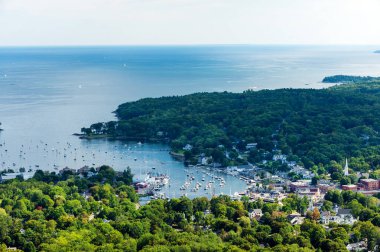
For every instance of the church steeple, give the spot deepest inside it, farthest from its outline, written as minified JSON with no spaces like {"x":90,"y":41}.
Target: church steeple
{"x":346,"y":168}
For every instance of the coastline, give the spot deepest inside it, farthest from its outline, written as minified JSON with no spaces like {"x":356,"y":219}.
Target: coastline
{"x":175,"y":155}
{"x":120,"y":138}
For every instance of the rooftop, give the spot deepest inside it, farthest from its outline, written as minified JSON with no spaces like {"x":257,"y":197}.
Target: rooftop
{"x":344,"y":211}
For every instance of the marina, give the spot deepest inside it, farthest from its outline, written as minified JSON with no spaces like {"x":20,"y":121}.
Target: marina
{"x":200,"y":181}
{"x":151,"y":164}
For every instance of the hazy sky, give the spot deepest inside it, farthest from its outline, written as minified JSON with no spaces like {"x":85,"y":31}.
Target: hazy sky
{"x":97,"y":22}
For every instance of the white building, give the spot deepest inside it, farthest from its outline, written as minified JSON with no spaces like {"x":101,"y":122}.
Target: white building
{"x":188,"y":147}
{"x":343,"y":216}
{"x":251,"y":146}
{"x":255,"y":214}
{"x":346,"y":168}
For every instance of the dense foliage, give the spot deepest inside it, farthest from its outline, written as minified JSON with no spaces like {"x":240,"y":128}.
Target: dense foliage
{"x":311,"y":126}
{"x":349,"y":78}
{"x":79,"y":214}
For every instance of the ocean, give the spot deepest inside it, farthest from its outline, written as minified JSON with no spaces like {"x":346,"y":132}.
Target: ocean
{"x":49,"y":93}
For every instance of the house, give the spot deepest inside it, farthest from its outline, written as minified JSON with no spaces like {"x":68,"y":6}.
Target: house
{"x":343,"y":216}
{"x":293,"y":215}
{"x":297,"y":220}
{"x":295,"y":186}
{"x":358,"y":246}
{"x":279,"y":157}
{"x":207,"y":212}
{"x":251,"y":146}
{"x":324,"y":188}
{"x":313,"y":193}
{"x":255,"y":214}
{"x":206,"y":160}
{"x":188,"y":147}
{"x":325,"y":217}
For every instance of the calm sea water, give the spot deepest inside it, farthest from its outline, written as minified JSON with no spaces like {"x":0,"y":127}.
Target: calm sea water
{"x":46,"y":94}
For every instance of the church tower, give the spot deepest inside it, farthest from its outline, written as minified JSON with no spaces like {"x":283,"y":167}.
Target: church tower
{"x":346,"y":168}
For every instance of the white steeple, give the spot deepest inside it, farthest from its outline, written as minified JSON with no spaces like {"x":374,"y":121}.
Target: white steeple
{"x":346,"y":168}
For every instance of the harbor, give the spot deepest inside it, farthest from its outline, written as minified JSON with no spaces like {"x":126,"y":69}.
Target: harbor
{"x":198,"y":181}
{"x":159,"y":174}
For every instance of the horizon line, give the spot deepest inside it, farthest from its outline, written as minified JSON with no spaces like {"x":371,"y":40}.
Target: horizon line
{"x":181,"y":45}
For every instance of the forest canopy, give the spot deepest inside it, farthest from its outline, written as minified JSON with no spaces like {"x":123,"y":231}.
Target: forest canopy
{"x":349,"y":78}
{"x":312,"y":126}
{"x":67,"y":212}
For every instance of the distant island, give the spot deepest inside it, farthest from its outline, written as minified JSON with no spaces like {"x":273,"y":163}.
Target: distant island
{"x":349,"y":79}
{"x":378,"y":51}
{"x":312,"y":127}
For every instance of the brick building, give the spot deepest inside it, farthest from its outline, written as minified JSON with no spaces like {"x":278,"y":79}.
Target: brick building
{"x":369,"y":184}
{"x":349,"y":187}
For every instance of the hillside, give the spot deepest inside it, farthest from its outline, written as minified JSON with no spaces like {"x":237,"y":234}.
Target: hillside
{"x":310,"y":126}
{"x":349,"y":79}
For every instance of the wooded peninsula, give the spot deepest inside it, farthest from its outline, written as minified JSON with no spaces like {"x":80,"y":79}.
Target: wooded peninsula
{"x":313,"y":127}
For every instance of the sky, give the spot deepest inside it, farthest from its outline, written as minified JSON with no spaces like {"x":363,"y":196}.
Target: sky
{"x":162,"y":22}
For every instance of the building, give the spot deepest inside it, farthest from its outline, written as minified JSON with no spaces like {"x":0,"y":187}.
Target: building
{"x":297,"y":220}
{"x":369,"y":184}
{"x":325,"y":217}
{"x":309,"y":192}
{"x":255,"y":214}
{"x":295,"y":186}
{"x":346,"y":168}
{"x":251,"y":146}
{"x":349,"y":187}
{"x":188,"y":147}
{"x":306,"y":174}
{"x":324,"y":188}
{"x":359,"y":246}
{"x":293,"y":215}
{"x":343,"y":216}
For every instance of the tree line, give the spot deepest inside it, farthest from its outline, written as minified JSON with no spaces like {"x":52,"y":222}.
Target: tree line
{"x":74,"y":213}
